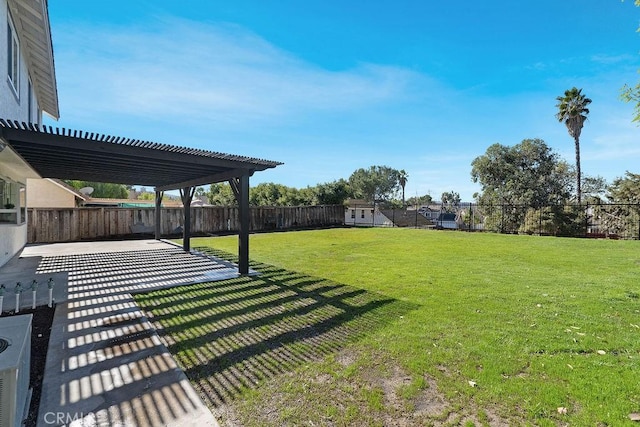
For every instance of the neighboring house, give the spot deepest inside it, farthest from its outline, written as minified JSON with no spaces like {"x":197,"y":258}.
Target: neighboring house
{"x":359,"y":212}
{"x":52,"y":193}
{"x":407,"y":218}
{"x":27,"y":89}
{"x":458,"y":220}
{"x":200,"y":201}
{"x":55,"y":193}
{"x":447,"y":220}
{"x":430,"y":212}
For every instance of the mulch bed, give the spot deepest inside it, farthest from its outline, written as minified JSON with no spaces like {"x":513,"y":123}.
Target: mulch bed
{"x":40,"y":332}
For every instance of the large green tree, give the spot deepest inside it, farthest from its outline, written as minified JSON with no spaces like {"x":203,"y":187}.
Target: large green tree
{"x":271,"y":194}
{"x":621,"y":217}
{"x":625,"y":189}
{"x":102,"y":189}
{"x":450,"y":199}
{"x":573,"y":112}
{"x":220,"y":194}
{"x":594,"y":188}
{"x":529,"y":173}
{"x":331,"y":193}
{"x":632,"y":93}
{"x":376,"y":184}
{"x":515,"y":178}
{"x":420,"y":200}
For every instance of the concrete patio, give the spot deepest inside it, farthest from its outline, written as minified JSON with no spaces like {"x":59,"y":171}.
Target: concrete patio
{"x":106,"y":365}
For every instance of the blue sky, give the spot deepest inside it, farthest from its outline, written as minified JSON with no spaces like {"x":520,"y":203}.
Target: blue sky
{"x":328,"y":87}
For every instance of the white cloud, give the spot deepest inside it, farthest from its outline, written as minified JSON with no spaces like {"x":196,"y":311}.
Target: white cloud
{"x":607,"y":59}
{"x":224,"y":74}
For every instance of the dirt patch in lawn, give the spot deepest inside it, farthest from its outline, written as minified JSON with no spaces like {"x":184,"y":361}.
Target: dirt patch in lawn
{"x":356,"y":388}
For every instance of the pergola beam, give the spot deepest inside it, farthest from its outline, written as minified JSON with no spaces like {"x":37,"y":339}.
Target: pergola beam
{"x":208,"y":179}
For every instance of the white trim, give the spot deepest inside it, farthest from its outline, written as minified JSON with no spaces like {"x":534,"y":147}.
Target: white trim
{"x":30,"y":99}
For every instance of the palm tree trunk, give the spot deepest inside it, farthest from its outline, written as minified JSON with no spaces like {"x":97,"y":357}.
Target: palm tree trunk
{"x":579,"y":176}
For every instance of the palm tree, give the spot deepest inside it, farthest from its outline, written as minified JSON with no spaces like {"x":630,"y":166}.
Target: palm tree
{"x":402,"y":180}
{"x":573,"y":111}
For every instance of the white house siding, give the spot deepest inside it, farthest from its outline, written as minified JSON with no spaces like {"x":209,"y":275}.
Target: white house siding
{"x":13,"y":106}
{"x":13,"y":240}
{"x":370,"y":219}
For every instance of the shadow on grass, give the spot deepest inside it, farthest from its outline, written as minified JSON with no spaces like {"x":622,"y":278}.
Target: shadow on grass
{"x":230,"y":336}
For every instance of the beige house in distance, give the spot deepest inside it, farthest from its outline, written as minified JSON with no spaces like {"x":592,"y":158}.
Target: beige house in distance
{"x":52,"y":193}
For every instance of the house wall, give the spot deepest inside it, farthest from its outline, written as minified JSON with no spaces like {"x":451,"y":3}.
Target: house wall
{"x":14,"y":107}
{"x":42,"y":193}
{"x":367,"y":219}
{"x":451,"y":225}
{"x":13,"y":238}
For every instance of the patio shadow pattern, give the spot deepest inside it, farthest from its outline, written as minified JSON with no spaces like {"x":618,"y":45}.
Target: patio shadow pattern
{"x":106,"y":365}
{"x":232,"y":335}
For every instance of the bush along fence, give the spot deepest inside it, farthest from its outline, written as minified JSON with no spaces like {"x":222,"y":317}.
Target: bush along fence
{"x":75,"y":224}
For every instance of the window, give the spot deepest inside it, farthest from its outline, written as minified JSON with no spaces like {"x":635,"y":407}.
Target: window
{"x":362,"y":213}
{"x":13,"y":57}
{"x":23,"y":204}
{"x":8,"y":195}
{"x":353,"y":214}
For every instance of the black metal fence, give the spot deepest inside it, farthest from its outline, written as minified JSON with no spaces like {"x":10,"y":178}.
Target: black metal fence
{"x":615,"y":221}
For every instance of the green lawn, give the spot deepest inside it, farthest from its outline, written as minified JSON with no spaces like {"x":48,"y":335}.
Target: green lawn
{"x":413,"y":327}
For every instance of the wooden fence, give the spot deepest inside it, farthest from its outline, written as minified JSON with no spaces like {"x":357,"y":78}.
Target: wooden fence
{"x":74,"y":224}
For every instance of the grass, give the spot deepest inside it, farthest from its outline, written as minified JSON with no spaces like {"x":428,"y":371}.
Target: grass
{"x":413,"y":327}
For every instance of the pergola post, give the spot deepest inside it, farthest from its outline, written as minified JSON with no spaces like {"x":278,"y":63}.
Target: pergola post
{"x":240,"y":188}
{"x":186,"y":194}
{"x":243,"y":236}
{"x":158,"y":214}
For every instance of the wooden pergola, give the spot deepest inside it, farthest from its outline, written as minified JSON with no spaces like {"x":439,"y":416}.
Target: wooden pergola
{"x":71,"y":154}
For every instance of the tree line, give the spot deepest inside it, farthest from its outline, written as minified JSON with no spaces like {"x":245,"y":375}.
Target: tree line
{"x":377,"y":184}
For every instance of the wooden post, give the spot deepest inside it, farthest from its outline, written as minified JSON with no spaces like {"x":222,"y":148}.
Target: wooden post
{"x":158,"y":212}
{"x":186,"y":194}
{"x":243,"y":236}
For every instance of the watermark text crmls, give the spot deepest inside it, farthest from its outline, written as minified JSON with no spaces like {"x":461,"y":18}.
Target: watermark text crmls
{"x":58,"y":418}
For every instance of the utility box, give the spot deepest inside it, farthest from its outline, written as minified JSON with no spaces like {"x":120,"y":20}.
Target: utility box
{"x":15,"y":359}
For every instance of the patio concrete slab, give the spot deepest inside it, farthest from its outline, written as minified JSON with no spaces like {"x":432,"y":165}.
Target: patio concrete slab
{"x":106,"y":364}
